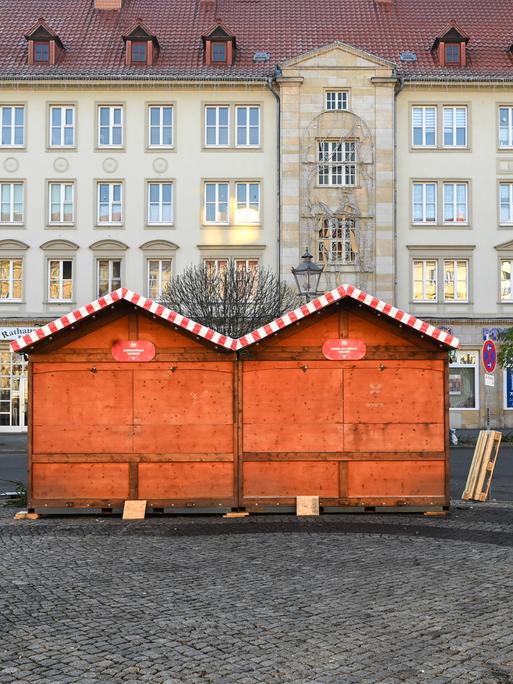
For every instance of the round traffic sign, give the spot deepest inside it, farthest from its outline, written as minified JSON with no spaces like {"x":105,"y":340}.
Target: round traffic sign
{"x":489,"y":356}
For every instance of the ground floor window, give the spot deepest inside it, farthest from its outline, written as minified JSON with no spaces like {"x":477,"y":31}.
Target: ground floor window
{"x":464,"y":380}
{"x":13,"y":389}
{"x":508,"y":388}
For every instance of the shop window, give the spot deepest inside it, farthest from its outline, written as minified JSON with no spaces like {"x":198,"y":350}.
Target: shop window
{"x":464,"y":380}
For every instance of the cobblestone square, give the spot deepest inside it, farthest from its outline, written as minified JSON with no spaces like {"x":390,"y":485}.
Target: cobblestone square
{"x":197,"y":600}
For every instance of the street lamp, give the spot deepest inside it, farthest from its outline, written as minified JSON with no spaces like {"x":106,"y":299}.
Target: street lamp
{"x":307,"y":275}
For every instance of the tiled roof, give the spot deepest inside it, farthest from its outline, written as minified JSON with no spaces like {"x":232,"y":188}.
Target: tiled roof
{"x":286,"y":28}
{"x":401,"y":317}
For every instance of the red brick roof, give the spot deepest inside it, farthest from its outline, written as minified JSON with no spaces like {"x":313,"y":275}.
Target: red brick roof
{"x":285,"y":28}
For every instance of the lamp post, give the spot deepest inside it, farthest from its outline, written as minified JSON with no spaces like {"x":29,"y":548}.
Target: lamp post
{"x":307,"y":275}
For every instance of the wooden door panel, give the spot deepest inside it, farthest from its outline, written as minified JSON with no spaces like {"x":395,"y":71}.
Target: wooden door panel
{"x":393,"y":395}
{"x":396,"y":479}
{"x":81,"y":397}
{"x":167,"y":438}
{"x":385,"y":437}
{"x":282,"y":479}
{"x":194,"y":394}
{"x":71,"y":481}
{"x":186,"y":481}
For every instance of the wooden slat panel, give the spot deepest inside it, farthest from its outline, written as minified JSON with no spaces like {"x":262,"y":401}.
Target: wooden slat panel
{"x":131,"y":458}
{"x":75,"y":396}
{"x":382,"y":479}
{"x":367,"y":327}
{"x":79,"y":480}
{"x":93,"y":439}
{"x":392,"y":438}
{"x":185,"y":480}
{"x":344,"y":456}
{"x":288,"y":409}
{"x":164,"y":335}
{"x":394,"y":395}
{"x":290,"y":479}
{"x":168,"y":439}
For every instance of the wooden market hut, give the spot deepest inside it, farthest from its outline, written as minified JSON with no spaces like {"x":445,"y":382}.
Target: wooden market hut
{"x":345,"y":398}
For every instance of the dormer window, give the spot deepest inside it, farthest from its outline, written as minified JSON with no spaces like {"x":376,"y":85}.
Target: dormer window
{"x":44,"y":45}
{"x":139,"y":52}
{"x":142,"y":45}
{"x":452,"y":54}
{"x":450,"y":46}
{"x":41,"y":52}
{"x":219,"y":46}
{"x":219,"y":52}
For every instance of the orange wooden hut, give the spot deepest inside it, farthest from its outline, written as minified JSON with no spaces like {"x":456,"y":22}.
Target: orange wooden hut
{"x":345,"y":398}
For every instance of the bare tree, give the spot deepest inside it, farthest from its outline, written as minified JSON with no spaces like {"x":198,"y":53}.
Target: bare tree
{"x":232,"y":299}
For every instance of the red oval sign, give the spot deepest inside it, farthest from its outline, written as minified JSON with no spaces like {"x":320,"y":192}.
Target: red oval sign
{"x":489,"y":356}
{"x":343,"y":350}
{"x":133,"y":350}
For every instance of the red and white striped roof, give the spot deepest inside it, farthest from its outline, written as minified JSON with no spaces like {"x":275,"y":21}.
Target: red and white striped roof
{"x":340,"y":293}
{"x":206,"y":333}
{"x":143,"y":302}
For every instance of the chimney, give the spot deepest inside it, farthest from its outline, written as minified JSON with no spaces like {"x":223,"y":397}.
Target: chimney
{"x":108,"y":4}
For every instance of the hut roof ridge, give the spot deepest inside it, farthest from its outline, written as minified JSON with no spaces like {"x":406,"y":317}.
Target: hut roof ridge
{"x":158,"y":309}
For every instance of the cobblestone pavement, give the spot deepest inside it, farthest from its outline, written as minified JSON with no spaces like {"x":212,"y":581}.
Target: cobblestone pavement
{"x":341,"y":599}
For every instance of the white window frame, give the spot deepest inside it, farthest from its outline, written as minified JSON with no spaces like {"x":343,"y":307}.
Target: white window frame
{"x":501,"y":297}
{"x":110,"y":277}
{"x":12,"y":185}
{"x":61,"y":261}
{"x":455,"y":185}
{"x":111,"y":185}
{"x":12,"y":280}
{"x":424,"y":185}
{"x":160,"y":126}
{"x":12,"y":126}
{"x":247,"y":127}
{"x":340,"y":98}
{"x":509,"y":127}
{"x":454,"y":127}
{"x":247,"y":205}
{"x":423,"y":144}
{"x":476,"y":367}
{"x":160,"y":204}
{"x":62,"y":202}
{"x":111,"y":125}
{"x":509,"y":185}
{"x":346,"y":161}
{"x":216,"y":203}
{"x":217,"y":126}
{"x":424,"y":262}
{"x":160,"y":285}
{"x":62,"y":127}
{"x":456,"y":300}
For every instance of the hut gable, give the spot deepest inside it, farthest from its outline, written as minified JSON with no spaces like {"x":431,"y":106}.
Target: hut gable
{"x":89,"y":310}
{"x":367,"y":300}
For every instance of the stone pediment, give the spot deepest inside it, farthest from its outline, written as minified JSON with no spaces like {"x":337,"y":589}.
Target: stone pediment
{"x":337,"y":54}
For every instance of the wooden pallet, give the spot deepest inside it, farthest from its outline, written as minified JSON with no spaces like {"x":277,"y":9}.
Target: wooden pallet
{"x":483,"y":463}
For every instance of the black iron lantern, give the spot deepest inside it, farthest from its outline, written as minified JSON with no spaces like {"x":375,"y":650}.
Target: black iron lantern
{"x":307,"y":275}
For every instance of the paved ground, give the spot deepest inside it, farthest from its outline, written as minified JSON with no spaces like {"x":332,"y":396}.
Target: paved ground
{"x":268,"y":599}
{"x":342,"y":599}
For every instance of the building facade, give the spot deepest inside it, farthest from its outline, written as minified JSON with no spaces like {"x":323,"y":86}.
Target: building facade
{"x":141,"y":136}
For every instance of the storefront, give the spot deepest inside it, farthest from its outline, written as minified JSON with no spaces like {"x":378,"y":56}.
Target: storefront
{"x":468,"y":396}
{"x":13,"y":379}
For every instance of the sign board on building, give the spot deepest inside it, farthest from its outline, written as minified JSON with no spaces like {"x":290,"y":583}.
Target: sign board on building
{"x":14,"y":333}
{"x":133,"y":350}
{"x":489,"y":380}
{"x":344,"y":350}
{"x":489,"y":356}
